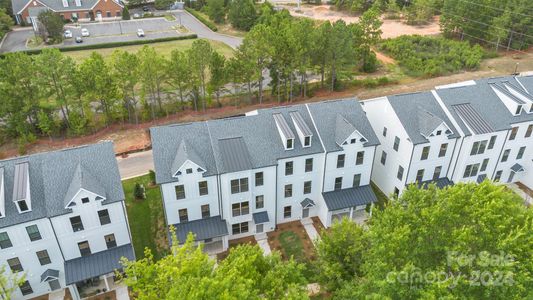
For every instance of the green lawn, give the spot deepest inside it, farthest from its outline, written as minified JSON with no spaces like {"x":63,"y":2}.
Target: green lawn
{"x":146,"y":218}
{"x":292,"y":245}
{"x":163,"y":48}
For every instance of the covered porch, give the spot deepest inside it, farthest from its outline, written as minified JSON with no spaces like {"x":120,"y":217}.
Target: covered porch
{"x":349,"y":203}
{"x":212,"y":232}
{"x":440,"y":182}
{"x":95,"y":274}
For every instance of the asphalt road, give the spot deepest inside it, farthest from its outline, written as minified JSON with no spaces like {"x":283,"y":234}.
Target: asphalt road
{"x":135,"y":164}
{"x":190,"y":22}
{"x":125,"y":31}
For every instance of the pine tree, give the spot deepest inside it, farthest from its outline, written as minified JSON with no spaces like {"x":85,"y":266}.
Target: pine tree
{"x":126,"y":13}
{"x":138,"y":191}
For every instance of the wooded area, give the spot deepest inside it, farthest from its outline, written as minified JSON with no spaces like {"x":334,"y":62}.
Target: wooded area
{"x":50,"y":94}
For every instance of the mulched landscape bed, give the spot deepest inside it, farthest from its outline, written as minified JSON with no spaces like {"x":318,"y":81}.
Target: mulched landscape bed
{"x":233,"y":243}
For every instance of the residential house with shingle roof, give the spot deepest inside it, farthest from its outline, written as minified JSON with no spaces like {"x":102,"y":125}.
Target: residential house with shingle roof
{"x":62,"y":220}
{"x":417,"y":140}
{"x":495,"y":120}
{"x":246,"y":174}
{"x":27,"y":11}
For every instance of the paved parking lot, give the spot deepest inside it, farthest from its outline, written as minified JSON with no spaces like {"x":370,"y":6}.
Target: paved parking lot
{"x":104,"y":32}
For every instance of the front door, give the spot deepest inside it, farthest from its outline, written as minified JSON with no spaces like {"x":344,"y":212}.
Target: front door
{"x":305,"y":213}
{"x":259,"y":228}
{"x":511,"y":176}
{"x":54,"y":284}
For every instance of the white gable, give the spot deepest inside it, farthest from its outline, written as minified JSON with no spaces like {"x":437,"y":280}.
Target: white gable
{"x":188,"y":165}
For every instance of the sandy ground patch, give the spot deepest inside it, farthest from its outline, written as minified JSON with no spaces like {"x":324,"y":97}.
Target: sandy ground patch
{"x":390,"y":28}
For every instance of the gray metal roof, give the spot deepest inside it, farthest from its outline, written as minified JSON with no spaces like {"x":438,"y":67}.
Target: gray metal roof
{"x":471,"y":118}
{"x":503,"y":89}
{"x":300,"y":123}
{"x":326,"y":115}
{"x":260,"y":217}
{"x":307,"y":203}
{"x":350,"y":197}
{"x":97,"y":264}
{"x":83,"y":179}
{"x":21,"y":181}
{"x":49,"y":273}
{"x":440,"y":183}
{"x":480,"y":178}
{"x":517,"y":168}
{"x":57,"y":5}
{"x":428,"y":116}
{"x":50,"y":176}
{"x":485,"y":102}
{"x":234,"y":154}
{"x":283,"y":126}
{"x":186,"y":152}
{"x":343,"y":129}
{"x":202,"y":229}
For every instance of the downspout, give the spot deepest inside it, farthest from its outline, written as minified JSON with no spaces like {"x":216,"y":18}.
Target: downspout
{"x":458,"y":154}
{"x":409,"y":167}
{"x":451,"y":158}
{"x":501,"y":153}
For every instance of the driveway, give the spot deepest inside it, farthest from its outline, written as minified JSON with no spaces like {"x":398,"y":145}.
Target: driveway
{"x":194,"y":25}
{"x":16,"y":40}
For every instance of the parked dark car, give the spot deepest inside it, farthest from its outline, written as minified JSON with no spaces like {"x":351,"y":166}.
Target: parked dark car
{"x":146,"y":8}
{"x":79,"y":39}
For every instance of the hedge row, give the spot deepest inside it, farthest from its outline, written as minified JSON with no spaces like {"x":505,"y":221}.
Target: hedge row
{"x":202,"y":19}
{"x":116,"y":44}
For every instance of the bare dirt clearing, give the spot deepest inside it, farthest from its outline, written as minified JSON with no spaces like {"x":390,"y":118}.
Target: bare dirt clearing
{"x":390,"y":28}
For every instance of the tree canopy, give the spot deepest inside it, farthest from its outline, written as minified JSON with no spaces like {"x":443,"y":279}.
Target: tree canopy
{"x":50,"y":26}
{"x":189,"y":273}
{"x":468,"y":241}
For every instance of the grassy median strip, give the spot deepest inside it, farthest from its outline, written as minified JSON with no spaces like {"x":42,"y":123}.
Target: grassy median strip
{"x":202,"y":19}
{"x":146,"y":218}
{"x":118,"y":44}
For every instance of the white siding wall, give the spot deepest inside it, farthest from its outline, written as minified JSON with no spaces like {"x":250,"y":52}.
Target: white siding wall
{"x":93,"y":231}
{"x":381,"y":114}
{"x":462,"y":157}
{"x":297,"y":180}
{"x":193,"y":201}
{"x":526,"y":160}
{"x":26,"y":250}
{"x":267,"y":190}
{"x":433,"y":161}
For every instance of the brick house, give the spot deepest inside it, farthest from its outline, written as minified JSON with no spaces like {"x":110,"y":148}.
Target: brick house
{"x":81,"y":10}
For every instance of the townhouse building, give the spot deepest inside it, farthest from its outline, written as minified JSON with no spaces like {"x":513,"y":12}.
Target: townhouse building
{"x":63,"y":221}
{"x":493,"y":116}
{"x":234,"y":177}
{"x":417,"y":141}
{"x":461,"y":132}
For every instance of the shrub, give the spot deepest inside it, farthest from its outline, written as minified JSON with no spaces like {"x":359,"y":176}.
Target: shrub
{"x":139,"y":191}
{"x":202,"y":19}
{"x":432,"y":56}
{"x":151,"y":174}
{"x":116,"y":44}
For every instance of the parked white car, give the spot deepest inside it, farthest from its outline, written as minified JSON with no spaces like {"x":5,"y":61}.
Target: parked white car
{"x":140,"y":32}
{"x":85,"y":32}
{"x":68,"y":34}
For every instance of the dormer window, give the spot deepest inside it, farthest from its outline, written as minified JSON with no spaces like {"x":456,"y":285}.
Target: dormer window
{"x":290,"y":144}
{"x":85,"y":200}
{"x":439,"y":132}
{"x":178,"y":173}
{"x":307,"y":141}
{"x":352,"y":141}
{"x":188,"y":171}
{"x":285,"y":132}
{"x":22,"y":206}
{"x":518,"y":109}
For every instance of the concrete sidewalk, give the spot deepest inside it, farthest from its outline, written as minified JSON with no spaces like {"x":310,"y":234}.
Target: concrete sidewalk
{"x":262,"y":241}
{"x":310,"y":229}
